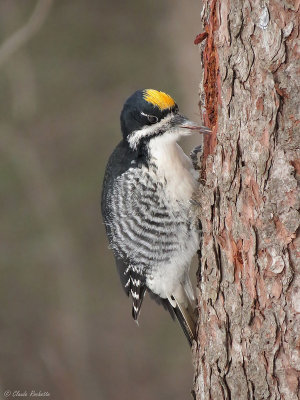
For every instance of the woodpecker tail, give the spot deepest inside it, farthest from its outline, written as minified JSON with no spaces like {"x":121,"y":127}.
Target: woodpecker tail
{"x":184,"y":307}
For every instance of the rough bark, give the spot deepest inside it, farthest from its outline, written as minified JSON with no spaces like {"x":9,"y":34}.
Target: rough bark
{"x":249,"y":300}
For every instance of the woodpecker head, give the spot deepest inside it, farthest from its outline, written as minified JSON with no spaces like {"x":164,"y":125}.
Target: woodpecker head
{"x":150,"y":113}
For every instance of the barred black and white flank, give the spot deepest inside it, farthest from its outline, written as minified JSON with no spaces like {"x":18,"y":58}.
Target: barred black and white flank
{"x":146,"y":207}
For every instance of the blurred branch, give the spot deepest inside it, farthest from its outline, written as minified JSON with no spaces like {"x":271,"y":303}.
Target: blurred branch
{"x":19,"y":68}
{"x":24,"y":34}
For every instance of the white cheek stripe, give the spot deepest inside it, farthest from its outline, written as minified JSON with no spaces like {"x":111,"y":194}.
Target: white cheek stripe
{"x":136,"y":136}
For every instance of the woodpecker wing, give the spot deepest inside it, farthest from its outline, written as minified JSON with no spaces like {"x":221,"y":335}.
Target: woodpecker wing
{"x":144,"y":231}
{"x":115,"y":195}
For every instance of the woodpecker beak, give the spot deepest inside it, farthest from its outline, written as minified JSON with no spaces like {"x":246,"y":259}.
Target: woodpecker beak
{"x":191,"y":127}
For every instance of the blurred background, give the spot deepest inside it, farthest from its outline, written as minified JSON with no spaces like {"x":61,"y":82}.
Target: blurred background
{"x":66,"y":68}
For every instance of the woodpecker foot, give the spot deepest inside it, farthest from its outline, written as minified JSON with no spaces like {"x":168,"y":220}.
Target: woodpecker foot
{"x":196,"y":155}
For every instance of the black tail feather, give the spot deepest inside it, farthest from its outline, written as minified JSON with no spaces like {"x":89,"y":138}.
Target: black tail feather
{"x":187,"y":324}
{"x":185,"y":315}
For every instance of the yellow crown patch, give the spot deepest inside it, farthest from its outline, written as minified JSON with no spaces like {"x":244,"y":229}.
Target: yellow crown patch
{"x":159,"y":99}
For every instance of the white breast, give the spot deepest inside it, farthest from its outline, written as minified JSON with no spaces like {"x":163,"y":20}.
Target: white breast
{"x":174,"y":167}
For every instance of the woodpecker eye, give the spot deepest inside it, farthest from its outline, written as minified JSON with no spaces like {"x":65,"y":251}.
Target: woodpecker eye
{"x":152,"y":119}
{"x":176,"y":109}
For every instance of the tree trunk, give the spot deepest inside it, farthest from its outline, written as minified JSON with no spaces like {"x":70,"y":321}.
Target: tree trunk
{"x":249,"y":300}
